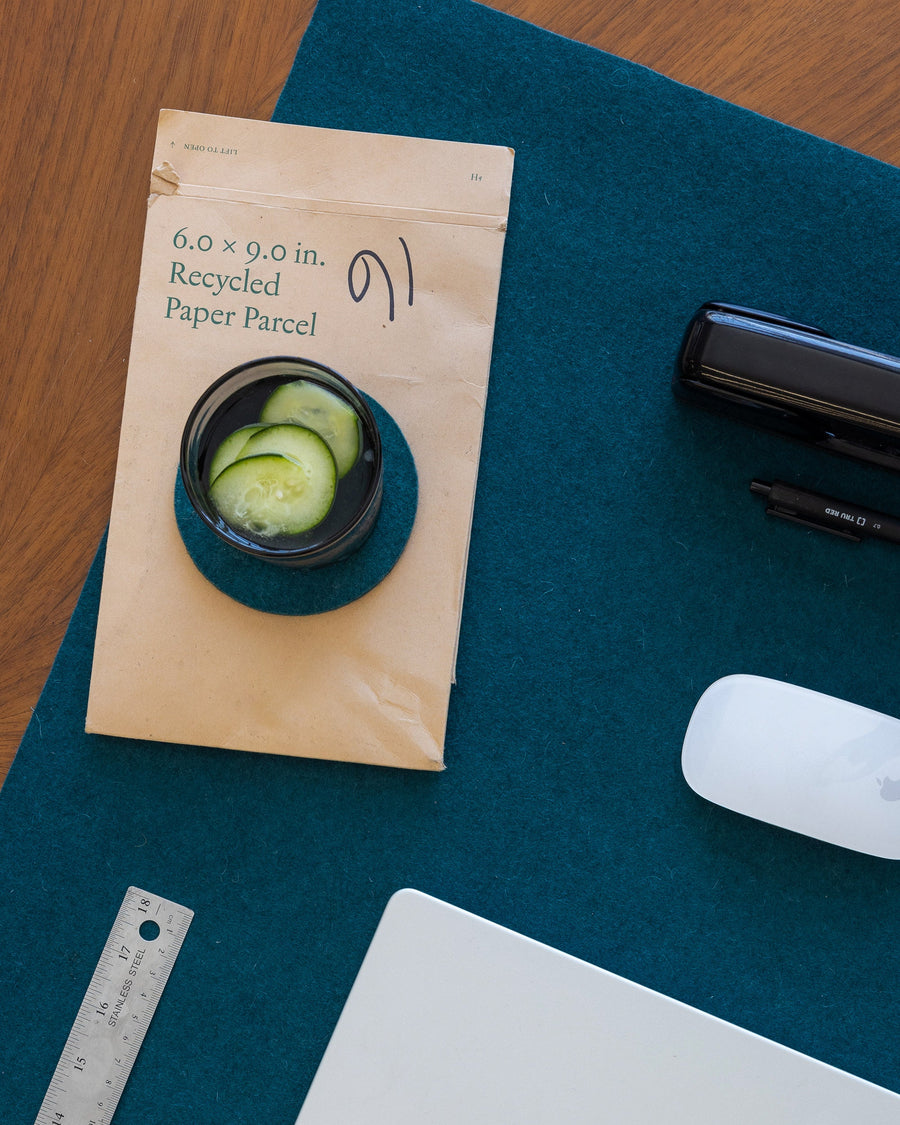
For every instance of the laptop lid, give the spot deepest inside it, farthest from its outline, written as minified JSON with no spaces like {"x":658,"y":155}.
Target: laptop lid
{"x":454,"y":1020}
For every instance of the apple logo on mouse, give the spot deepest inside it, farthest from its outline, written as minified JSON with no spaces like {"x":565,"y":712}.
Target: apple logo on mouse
{"x":890,"y":788}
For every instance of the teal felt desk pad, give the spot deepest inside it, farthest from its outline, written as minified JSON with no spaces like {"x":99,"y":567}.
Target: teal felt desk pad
{"x":618,"y":566}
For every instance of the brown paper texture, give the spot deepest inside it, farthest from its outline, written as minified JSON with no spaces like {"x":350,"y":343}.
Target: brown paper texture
{"x":251,"y":227}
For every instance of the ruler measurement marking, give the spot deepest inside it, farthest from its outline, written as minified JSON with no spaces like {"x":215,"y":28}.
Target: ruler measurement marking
{"x":118,"y":1005}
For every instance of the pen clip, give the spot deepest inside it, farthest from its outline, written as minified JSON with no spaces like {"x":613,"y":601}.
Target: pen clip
{"x":784,"y":500}
{"x":784,"y":514}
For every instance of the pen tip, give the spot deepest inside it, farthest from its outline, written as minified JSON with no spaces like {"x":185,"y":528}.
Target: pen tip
{"x":763,"y":488}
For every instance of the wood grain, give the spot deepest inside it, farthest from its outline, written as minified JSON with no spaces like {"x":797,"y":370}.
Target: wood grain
{"x":82,"y":83}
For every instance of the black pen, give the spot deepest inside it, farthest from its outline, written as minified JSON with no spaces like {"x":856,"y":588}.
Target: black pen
{"x":825,"y":513}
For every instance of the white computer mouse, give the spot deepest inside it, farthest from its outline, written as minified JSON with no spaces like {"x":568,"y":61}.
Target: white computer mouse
{"x":798,"y":759}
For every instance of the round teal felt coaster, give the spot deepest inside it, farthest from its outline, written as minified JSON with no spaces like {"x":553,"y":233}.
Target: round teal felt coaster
{"x":292,"y":591}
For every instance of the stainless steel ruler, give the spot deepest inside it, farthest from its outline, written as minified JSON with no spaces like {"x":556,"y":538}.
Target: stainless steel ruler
{"x":116,"y":1010}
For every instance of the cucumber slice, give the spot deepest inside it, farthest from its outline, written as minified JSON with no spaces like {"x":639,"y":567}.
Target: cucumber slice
{"x":230,"y":448}
{"x":270,"y":495}
{"x":314,"y":406}
{"x":286,"y":438}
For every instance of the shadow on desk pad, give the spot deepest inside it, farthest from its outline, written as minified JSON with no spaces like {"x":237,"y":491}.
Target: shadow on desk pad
{"x":618,"y":566}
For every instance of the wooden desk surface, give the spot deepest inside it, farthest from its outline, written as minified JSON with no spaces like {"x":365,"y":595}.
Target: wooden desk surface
{"x":81,"y":87}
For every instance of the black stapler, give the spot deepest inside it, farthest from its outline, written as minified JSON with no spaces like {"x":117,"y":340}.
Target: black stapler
{"x":792,"y":378}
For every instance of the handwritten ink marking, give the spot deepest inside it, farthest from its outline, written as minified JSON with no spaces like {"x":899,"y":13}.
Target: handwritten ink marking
{"x":362,"y":257}
{"x":409,"y":269}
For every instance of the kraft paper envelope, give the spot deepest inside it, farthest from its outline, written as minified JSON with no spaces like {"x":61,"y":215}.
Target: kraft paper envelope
{"x":251,"y":227}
